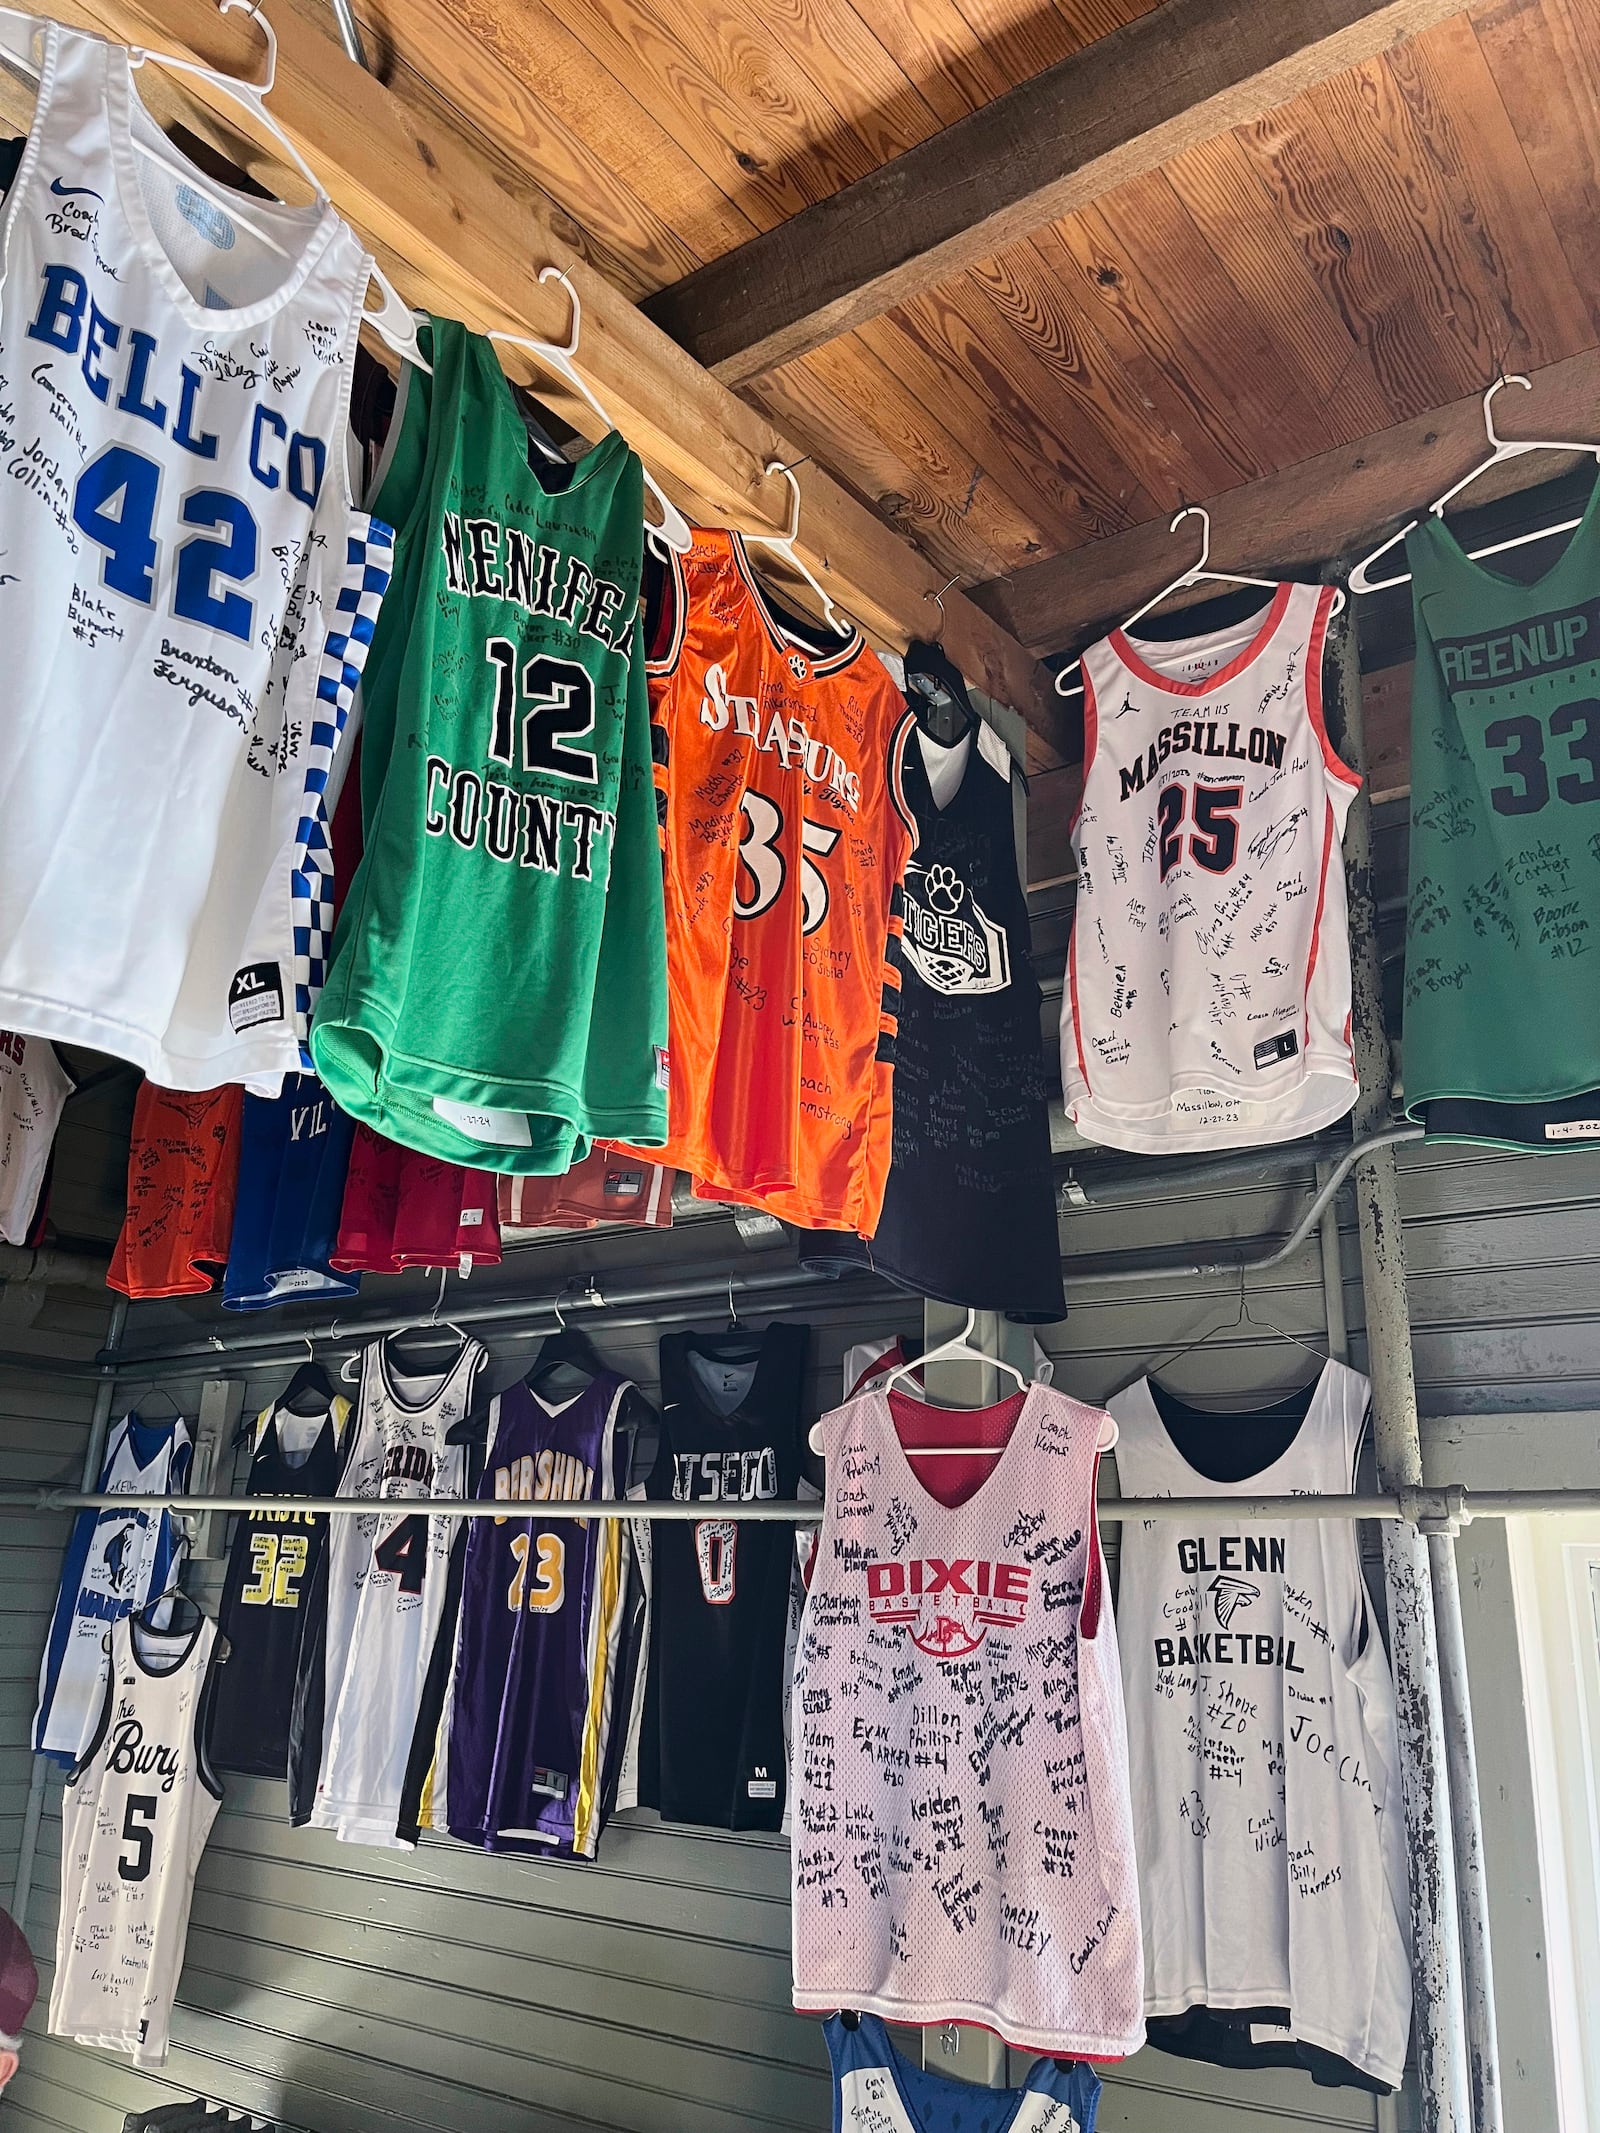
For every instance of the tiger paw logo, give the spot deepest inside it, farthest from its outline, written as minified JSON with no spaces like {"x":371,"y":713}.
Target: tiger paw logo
{"x":1229,"y":1594}
{"x":798,"y":667}
{"x":950,"y":940}
{"x":948,"y":1608}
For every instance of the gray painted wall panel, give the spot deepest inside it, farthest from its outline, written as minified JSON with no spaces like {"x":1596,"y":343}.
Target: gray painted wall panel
{"x":367,"y":1992}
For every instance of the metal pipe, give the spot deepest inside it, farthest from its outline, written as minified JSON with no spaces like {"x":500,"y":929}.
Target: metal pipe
{"x":1107,"y":1273}
{"x":1428,"y":1507}
{"x":530,"y":1314}
{"x":344,"y":16}
{"x":1118,"y":1183}
{"x":93,"y":1453}
{"x":54,"y":1269}
{"x":1483,"y":2058}
{"x":1436,"y":1957}
{"x":1332,"y":1274}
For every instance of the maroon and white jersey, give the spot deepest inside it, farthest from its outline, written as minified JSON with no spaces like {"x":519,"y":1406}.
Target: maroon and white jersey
{"x":962,"y":1838}
{"x":1207,"y":1002}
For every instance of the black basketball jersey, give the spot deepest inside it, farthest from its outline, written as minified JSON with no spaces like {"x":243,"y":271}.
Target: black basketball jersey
{"x":713,"y":1745}
{"x":969,"y":1215}
{"x":269,"y":1593}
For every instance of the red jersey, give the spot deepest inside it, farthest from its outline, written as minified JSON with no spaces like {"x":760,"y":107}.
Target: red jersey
{"x":785,"y":833}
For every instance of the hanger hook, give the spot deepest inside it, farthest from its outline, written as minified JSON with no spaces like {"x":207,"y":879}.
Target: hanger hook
{"x":776,"y":466}
{"x":253,"y":9}
{"x":438,"y":1301}
{"x":938,"y":597}
{"x":733,"y":1314}
{"x":555,"y":1305}
{"x":1200,"y":512}
{"x":311,"y":1353}
{"x":1506,"y":377}
{"x":569,"y":347}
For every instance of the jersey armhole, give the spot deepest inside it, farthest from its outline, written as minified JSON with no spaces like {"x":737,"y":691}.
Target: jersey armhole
{"x":205,"y":1704}
{"x":664,"y":647}
{"x":1094,"y":1567}
{"x":1335,"y":765}
{"x":899,"y":741}
{"x":1091,"y":734}
{"x":32,"y":147}
{"x":102,"y":1724}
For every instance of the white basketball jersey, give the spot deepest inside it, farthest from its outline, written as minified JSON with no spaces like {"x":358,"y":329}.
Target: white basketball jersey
{"x":186,"y":594}
{"x":33,"y":1087}
{"x":1262,"y":1734}
{"x":963,"y":1841}
{"x":134,"y":1820}
{"x":387,"y":1573}
{"x":115,"y":1562}
{"x":1207,"y":1002}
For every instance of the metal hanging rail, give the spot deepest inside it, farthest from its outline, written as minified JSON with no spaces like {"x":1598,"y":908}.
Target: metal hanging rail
{"x":1433,"y":1510}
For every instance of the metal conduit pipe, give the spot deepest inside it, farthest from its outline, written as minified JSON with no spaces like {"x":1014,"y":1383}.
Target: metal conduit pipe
{"x":1443,"y":1509}
{"x":1125,"y":1183}
{"x":344,"y":16}
{"x":1107,"y":1273}
{"x":616,"y":1298}
{"x":1426,"y":1778}
{"x":53,"y":1268}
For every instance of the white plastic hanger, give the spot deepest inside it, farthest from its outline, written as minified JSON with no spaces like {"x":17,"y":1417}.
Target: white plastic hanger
{"x":783,"y":544}
{"x":959,"y":1348}
{"x":1198,"y":573}
{"x":673,"y":530}
{"x":1500,"y":450}
{"x":392,"y":320}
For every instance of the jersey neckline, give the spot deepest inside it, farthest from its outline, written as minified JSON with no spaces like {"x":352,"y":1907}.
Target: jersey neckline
{"x":885,"y":1399}
{"x":1266,"y":621}
{"x":125,"y":108}
{"x":163,"y":1673}
{"x":1435,"y":528}
{"x":788,"y":632}
{"x":469,"y":1347}
{"x":1148,"y":1388}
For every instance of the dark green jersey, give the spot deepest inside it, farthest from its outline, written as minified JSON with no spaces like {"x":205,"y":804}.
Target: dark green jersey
{"x":498,"y":988}
{"x":1502,"y":1020}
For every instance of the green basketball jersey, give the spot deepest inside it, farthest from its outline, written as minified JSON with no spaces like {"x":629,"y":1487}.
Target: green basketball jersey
{"x":1502,"y":1017}
{"x":497,"y":994}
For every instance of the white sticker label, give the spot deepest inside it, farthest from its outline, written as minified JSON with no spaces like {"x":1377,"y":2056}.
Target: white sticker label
{"x":500,"y":1129}
{"x":663,"y":1067}
{"x":994,"y":750}
{"x":471,"y":1217}
{"x":1271,"y":2033}
{"x":295,"y":1281}
{"x":762,"y":1788}
{"x":1574,"y":1129}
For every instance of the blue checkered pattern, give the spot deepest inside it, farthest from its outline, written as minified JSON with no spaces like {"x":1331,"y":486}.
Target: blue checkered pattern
{"x":369,"y":565}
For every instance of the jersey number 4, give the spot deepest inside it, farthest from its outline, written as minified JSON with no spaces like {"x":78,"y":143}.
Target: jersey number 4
{"x":1214,"y":840}
{"x":403,"y":1552}
{"x":763,"y":864}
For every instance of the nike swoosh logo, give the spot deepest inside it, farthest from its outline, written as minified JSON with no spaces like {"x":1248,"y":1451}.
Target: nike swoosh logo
{"x":67,"y":192}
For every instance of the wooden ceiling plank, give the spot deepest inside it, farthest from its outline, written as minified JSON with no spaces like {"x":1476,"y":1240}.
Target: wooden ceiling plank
{"x":1222,"y":191}
{"x":1089,"y":385}
{"x":475,"y":237}
{"x":1137,"y":386}
{"x":935,"y":45}
{"x":604,"y":203}
{"x":1339,"y":503}
{"x":859,"y":417}
{"x":1026,"y":38}
{"x":1111,"y":265}
{"x":544,"y":74}
{"x":1120,"y":107}
{"x":961,"y":331}
{"x":1457,"y":109}
{"x":1545,"y":59}
{"x":852,"y":71}
{"x":1315,"y":195}
{"x":1426,"y":222}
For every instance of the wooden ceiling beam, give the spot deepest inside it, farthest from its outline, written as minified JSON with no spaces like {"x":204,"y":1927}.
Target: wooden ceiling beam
{"x":1341,"y":502}
{"x":1125,"y":105}
{"x":465,"y":235}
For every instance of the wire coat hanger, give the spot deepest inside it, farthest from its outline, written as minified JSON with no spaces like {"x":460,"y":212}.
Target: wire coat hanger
{"x":1500,"y":450}
{"x":1244,"y":1316}
{"x":782,"y":544}
{"x":392,"y":320}
{"x":673,"y":529}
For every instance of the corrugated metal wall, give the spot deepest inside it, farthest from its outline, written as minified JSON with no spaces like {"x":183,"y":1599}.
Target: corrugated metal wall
{"x":347,"y":1989}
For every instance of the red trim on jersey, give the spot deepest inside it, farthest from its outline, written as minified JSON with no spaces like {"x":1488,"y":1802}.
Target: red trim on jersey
{"x":1335,"y":766}
{"x":663,"y":654}
{"x":1094,"y":1574}
{"x":1122,"y":644}
{"x":1330,"y":840}
{"x":1077,"y":1020}
{"x":1091,"y":736}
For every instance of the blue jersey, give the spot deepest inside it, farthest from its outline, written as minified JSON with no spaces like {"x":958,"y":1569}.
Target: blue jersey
{"x":876,"y":2090}
{"x":521,"y":1748}
{"x":294,"y":1151}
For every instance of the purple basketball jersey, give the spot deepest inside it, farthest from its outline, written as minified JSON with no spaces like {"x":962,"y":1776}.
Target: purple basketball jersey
{"x":529,"y":1708}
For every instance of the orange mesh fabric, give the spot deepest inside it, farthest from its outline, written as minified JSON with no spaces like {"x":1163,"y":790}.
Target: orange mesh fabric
{"x":183,"y":1167}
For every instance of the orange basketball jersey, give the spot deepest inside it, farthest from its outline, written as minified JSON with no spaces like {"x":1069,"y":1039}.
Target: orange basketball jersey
{"x":777,"y":762}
